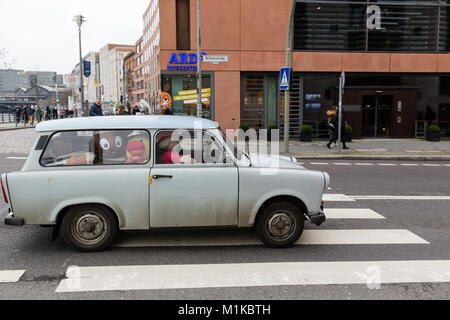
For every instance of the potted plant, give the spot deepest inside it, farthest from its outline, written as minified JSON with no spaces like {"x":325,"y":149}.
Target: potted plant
{"x":348,"y":133}
{"x":306,"y":133}
{"x":244,"y":127}
{"x":434,"y":133}
{"x":269,"y":134}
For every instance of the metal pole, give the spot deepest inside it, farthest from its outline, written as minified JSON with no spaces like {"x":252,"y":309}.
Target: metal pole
{"x":340,"y":114}
{"x":287,"y":92}
{"x":86,"y":114}
{"x":376,"y":114}
{"x":199,"y":64}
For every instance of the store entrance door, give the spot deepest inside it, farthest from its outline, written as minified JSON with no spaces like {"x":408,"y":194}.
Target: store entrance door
{"x":377,"y":115}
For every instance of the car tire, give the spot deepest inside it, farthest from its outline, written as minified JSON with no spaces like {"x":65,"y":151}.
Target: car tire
{"x":89,"y":228}
{"x":280,"y":224}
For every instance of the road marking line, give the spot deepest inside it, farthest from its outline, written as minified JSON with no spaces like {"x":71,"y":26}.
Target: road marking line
{"x":320,"y":163}
{"x":342,"y":164}
{"x":356,"y":198}
{"x":237,"y":238}
{"x":410,"y":164}
{"x":364,"y":164}
{"x":17,"y":158}
{"x":11,"y":276}
{"x":352,"y":214}
{"x":167,"y":277}
{"x":431,"y":165}
{"x":387,"y":164}
{"x":336,"y":198}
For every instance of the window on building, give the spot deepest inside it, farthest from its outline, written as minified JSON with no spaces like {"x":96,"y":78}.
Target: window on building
{"x":180,"y":92}
{"x":183,"y":25}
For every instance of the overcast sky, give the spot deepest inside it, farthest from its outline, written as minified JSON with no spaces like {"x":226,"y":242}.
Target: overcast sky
{"x":41,"y":36}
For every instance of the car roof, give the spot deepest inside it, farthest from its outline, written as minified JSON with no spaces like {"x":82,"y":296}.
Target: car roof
{"x":126,"y":122}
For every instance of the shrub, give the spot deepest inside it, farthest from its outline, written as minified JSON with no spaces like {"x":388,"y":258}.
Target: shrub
{"x":273,"y":127}
{"x":245,"y":127}
{"x":306,"y":129}
{"x":434,"y":128}
{"x":348,"y":129}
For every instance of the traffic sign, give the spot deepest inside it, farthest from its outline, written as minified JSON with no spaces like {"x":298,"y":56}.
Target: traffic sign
{"x":215,"y":59}
{"x":285,"y":76}
{"x":87,"y":68}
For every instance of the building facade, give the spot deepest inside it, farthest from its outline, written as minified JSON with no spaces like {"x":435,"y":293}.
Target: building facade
{"x":111,"y":72}
{"x":394,"y":54}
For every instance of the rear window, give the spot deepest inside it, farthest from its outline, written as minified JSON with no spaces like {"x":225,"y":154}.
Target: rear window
{"x":93,"y":148}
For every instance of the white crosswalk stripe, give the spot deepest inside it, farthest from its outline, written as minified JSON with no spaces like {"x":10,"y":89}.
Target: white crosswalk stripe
{"x":165,"y":277}
{"x":226,"y":238}
{"x":352,"y":214}
{"x":11,"y":276}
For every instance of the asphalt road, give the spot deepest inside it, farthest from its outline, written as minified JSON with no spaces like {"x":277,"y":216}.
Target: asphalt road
{"x":30,"y":248}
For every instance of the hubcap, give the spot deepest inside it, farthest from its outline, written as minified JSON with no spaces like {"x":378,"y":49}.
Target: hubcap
{"x":280,"y":226}
{"x":89,"y":229}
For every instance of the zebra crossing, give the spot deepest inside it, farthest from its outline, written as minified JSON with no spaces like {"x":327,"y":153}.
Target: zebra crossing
{"x":376,"y":164}
{"x":233,"y":275}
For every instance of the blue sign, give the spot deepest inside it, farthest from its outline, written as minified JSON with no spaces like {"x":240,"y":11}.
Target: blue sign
{"x":184,"y":61}
{"x":285,"y":78}
{"x":87,"y":69}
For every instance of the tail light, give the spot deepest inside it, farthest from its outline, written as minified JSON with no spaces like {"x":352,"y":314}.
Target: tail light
{"x":4,"y":192}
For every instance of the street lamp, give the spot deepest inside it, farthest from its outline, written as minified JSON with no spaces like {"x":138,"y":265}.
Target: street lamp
{"x":79,"y":19}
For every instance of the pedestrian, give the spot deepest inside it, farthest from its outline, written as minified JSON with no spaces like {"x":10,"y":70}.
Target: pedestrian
{"x":96,"y":109}
{"x":334,"y":127}
{"x":30,"y":115}
{"x":39,"y":114}
{"x":331,"y":129}
{"x":18,"y":113}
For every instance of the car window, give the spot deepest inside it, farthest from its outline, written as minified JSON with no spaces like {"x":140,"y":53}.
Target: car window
{"x":186,"y":147}
{"x":103,"y":147}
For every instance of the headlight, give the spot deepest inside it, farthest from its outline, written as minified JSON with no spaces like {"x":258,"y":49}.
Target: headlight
{"x":327,"y":180}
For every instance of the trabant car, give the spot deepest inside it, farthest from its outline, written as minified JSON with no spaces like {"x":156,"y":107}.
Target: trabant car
{"x":90,"y":178}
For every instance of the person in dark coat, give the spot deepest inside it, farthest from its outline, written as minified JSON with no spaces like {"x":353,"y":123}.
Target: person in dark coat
{"x":335,"y":133}
{"x":96,"y":109}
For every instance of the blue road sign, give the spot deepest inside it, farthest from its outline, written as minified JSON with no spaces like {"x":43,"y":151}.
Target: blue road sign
{"x":285,"y":78}
{"x":87,"y":69}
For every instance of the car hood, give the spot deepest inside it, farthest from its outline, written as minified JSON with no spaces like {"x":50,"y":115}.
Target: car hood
{"x":274,"y":161}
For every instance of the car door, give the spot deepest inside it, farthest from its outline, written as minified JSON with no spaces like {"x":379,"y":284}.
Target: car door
{"x":184,"y":194}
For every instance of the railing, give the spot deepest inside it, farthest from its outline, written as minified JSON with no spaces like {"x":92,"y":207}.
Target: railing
{"x":422,"y":127}
{"x":9,"y":117}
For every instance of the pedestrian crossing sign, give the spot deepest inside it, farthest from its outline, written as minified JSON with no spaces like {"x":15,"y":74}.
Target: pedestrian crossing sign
{"x":285,"y":75}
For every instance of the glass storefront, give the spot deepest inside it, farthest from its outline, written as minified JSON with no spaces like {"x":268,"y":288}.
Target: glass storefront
{"x":180,"y":92}
{"x":259,"y":103}
{"x":372,"y":26}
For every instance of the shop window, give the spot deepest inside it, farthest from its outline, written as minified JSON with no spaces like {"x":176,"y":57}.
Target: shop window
{"x":180,"y":93}
{"x":444,"y":85}
{"x":93,"y":148}
{"x":183,"y":25}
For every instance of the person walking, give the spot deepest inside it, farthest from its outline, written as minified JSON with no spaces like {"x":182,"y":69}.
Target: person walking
{"x":334,"y":123}
{"x":96,"y":109}
{"x":30,"y":115}
{"x":18,"y":113}
{"x":331,"y":128}
{"x":39,"y":114}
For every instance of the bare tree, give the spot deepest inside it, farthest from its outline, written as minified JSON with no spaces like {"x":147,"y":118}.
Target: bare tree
{"x":5,"y":61}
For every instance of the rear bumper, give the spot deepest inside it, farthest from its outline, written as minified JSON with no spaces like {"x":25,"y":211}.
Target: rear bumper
{"x":10,"y":220}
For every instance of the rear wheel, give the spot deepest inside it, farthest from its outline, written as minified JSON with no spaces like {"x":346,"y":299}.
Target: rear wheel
{"x":89,"y":228}
{"x":280,"y":224}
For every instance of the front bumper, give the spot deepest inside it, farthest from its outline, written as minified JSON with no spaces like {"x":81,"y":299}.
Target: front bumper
{"x":10,"y":220}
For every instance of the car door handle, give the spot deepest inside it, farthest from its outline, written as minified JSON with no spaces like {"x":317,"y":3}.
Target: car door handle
{"x":156,"y":177}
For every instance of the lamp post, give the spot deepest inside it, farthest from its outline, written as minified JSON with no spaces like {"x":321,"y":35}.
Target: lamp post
{"x":79,"y":19}
{"x":288,"y":65}
{"x":199,"y":64}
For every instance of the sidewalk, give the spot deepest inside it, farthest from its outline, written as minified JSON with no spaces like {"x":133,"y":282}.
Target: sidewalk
{"x":373,"y":149}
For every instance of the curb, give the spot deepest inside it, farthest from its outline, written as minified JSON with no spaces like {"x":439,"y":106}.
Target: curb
{"x":16,"y":128}
{"x":387,"y":158}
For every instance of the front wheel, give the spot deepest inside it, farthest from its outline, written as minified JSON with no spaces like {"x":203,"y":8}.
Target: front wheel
{"x":89,"y":228}
{"x":280,"y":224}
